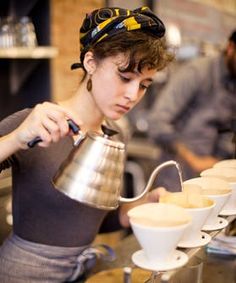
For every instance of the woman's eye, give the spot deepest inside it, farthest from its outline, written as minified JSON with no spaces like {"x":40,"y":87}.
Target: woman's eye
{"x":144,"y":87}
{"x":124,"y":79}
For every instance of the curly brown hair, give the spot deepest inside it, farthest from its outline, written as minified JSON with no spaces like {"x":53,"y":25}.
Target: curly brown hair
{"x":142,"y":50}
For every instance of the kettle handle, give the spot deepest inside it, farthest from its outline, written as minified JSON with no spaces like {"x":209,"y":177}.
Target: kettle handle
{"x":72,"y":125}
{"x":151,"y":180}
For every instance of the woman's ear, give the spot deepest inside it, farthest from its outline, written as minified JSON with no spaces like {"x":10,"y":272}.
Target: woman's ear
{"x":89,"y":62}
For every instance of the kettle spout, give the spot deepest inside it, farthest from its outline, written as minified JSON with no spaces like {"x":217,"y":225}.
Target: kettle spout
{"x":152,"y":178}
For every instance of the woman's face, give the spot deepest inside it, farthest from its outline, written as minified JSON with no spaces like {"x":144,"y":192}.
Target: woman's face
{"x":115,"y":93}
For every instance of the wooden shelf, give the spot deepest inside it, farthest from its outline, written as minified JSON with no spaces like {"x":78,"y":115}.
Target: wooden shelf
{"x":26,"y":72}
{"x":40,"y":52}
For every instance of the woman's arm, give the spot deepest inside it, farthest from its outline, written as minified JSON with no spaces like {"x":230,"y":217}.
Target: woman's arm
{"x":8,"y":145}
{"x":47,"y":121}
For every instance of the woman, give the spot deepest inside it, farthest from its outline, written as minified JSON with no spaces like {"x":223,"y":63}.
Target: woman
{"x":120,"y":52}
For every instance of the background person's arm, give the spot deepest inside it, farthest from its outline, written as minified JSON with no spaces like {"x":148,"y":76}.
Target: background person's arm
{"x":171,"y":103}
{"x":196,"y":162}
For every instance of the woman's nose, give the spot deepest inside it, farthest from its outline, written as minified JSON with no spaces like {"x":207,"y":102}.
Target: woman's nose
{"x":132,"y":92}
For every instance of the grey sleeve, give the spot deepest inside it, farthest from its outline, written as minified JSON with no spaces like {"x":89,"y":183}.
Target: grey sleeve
{"x":7,"y":125}
{"x":11,"y":122}
{"x":171,"y":102}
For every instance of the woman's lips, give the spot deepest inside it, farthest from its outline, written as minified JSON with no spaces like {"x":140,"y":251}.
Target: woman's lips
{"x":122,"y":108}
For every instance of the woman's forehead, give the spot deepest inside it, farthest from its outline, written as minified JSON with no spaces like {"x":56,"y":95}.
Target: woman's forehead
{"x":144,"y":74}
{"x":122,"y":61}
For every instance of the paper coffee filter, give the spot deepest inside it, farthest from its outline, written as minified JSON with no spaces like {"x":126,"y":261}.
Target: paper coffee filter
{"x":187,"y":199}
{"x":228,"y":174}
{"x":227,"y":163}
{"x":178,"y":198}
{"x":210,"y":185}
{"x":192,"y":188}
{"x":159,"y":215}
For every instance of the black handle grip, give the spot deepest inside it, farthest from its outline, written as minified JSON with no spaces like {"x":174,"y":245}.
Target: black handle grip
{"x":72,"y":125}
{"x":34,"y":142}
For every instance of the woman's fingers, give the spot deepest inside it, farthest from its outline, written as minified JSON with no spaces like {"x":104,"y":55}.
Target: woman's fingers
{"x":155,"y":194}
{"x":61,"y":112}
{"x":45,"y":137}
{"x":53,"y":129}
{"x":48,"y":122}
{"x":61,"y":116}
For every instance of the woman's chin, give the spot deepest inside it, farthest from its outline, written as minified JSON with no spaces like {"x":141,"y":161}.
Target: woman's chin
{"x":114,"y":115}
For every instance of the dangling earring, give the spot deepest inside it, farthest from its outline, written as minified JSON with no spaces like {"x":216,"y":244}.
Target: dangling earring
{"x":89,"y":83}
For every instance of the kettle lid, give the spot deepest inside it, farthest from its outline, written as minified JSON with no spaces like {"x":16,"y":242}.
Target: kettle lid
{"x":105,"y":138}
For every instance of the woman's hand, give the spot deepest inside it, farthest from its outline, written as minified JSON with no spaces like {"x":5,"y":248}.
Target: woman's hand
{"x":47,"y":121}
{"x":152,"y":196}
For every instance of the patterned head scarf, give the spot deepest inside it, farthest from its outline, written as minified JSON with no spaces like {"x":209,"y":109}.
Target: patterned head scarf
{"x":105,"y":22}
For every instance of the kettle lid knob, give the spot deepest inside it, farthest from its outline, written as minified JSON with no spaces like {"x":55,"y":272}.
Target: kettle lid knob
{"x":108,"y":132}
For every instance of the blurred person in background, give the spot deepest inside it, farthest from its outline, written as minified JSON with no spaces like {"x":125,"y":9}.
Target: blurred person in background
{"x":191,"y":116}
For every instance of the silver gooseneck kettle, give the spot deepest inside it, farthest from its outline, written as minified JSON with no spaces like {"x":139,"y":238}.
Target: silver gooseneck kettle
{"x":93,"y":172}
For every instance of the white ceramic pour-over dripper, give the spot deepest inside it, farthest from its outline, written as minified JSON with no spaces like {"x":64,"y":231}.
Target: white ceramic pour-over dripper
{"x":218,"y":191}
{"x":196,"y":205}
{"x":158,"y":229}
{"x":213,"y":221}
{"x":229,"y":175}
{"x":193,"y":237}
{"x":230,"y":207}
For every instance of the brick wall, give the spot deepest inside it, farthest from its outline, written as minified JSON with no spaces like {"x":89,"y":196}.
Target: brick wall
{"x":66,"y":18}
{"x":199,"y":21}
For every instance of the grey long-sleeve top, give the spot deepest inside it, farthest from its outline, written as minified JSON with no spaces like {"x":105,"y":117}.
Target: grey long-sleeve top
{"x":198,"y":101}
{"x":41,"y":213}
